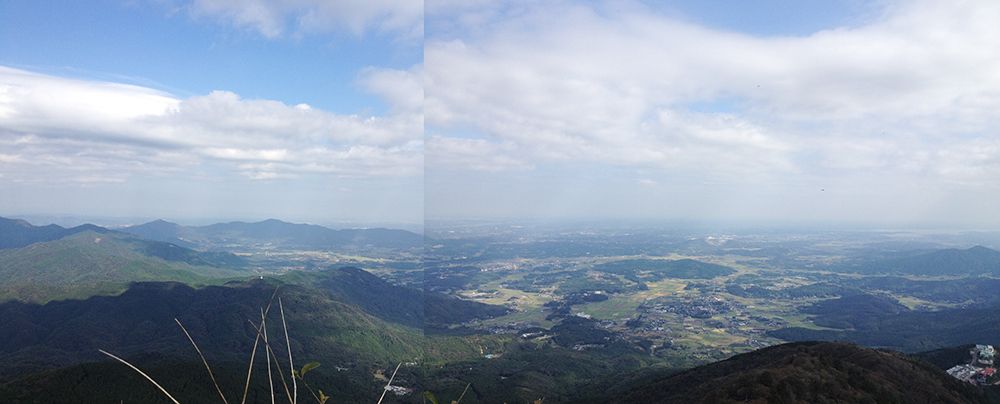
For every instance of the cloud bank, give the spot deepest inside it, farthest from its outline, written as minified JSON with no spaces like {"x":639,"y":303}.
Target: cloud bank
{"x":911,"y":97}
{"x":78,"y":131}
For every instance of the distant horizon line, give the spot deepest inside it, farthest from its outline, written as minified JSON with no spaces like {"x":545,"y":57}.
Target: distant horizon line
{"x":115,"y":222}
{"x":111,"y":221}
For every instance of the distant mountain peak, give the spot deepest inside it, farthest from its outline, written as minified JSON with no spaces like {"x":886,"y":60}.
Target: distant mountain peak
{"x":980,"y":249}
{"x":16,"y":233}
{"x":159,"y":223}
{"x":19,"y":222}
{"x":89,"y":227}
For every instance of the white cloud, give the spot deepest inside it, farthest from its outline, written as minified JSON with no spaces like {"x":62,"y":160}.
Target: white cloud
{"x":54,"y":128}
{"x":904,"y":94}
{"x":274,"y":18}
{"x":403,"y":89}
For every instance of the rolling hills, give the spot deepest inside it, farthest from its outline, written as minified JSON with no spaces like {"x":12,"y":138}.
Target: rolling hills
{"x":277,"y":233}
{"x":976,"y":261}
{"x":341,"y":309}
{"x":885,"y":324}
{"x":16,"y":233}
{"x":102,"y":262}
{"x":53,"y":347}
{"x":60,"y":333}
{"x":412,"y":307}
{"x":347,"y":319}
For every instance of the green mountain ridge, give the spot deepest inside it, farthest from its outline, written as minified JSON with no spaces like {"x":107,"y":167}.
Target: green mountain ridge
{"x":321,"y":306}
{"x":53,"y":346}
{"x":277,"y":232}
{"x":92,"y":262}
{"x":15,"y":233}
{"x":140,"y":320}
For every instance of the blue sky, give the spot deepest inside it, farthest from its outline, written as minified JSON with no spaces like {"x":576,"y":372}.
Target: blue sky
{"x":774,"y":17}
{"x":198,"y":110}
{"x":152,"y":45}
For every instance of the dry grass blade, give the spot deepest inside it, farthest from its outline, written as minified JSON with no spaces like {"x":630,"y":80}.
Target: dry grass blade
{"x":267,"y":346}
{"x":288,"y":343}
{"x":318,"y":400}
{"x":463,"y":393}
{"x":210,"y":374}
{"x":253,"y":355}
{"x":143,"y":375}
{"x":386,"y":388}
{"x":270,"y":381}
{"x":246,"y":387}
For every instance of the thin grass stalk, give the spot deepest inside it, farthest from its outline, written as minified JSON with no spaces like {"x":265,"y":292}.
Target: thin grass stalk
{"x":311,"y":390}
{"x":463,"y":393}
{"x":143,"y":375}
{"x":271,"y":351}
{"x":203,"y":360}
{"x":288,"y":343}
{"x":270,"y":381}
{"x":386,"y":388}
{"x":253,"y":355}
{"x":246,"y":387}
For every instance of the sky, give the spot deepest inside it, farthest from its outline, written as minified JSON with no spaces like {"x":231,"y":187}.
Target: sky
{"x":876,"y":113}
{"x":380,"y":111}
{"x":304,"y":110}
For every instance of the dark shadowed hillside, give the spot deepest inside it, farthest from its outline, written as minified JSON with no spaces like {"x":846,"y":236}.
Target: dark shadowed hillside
{"x":908,"y":331}
{"x":853,"y":311}
{"x":337,"y":310}
{"x":61,"y":333}
{"x":347,"y":319}
{"x":806,"y":372}
{"x":399,"y":304}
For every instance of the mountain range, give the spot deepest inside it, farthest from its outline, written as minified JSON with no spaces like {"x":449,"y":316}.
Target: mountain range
{"x":102,"y":262}
{"x":16,"y":233}
{"x":42,"y":263}
{"x":278,"y":233}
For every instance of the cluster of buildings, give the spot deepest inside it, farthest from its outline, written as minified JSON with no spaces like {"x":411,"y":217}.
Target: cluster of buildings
{"x":702,"y":307}
{"x":980,"y":368}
